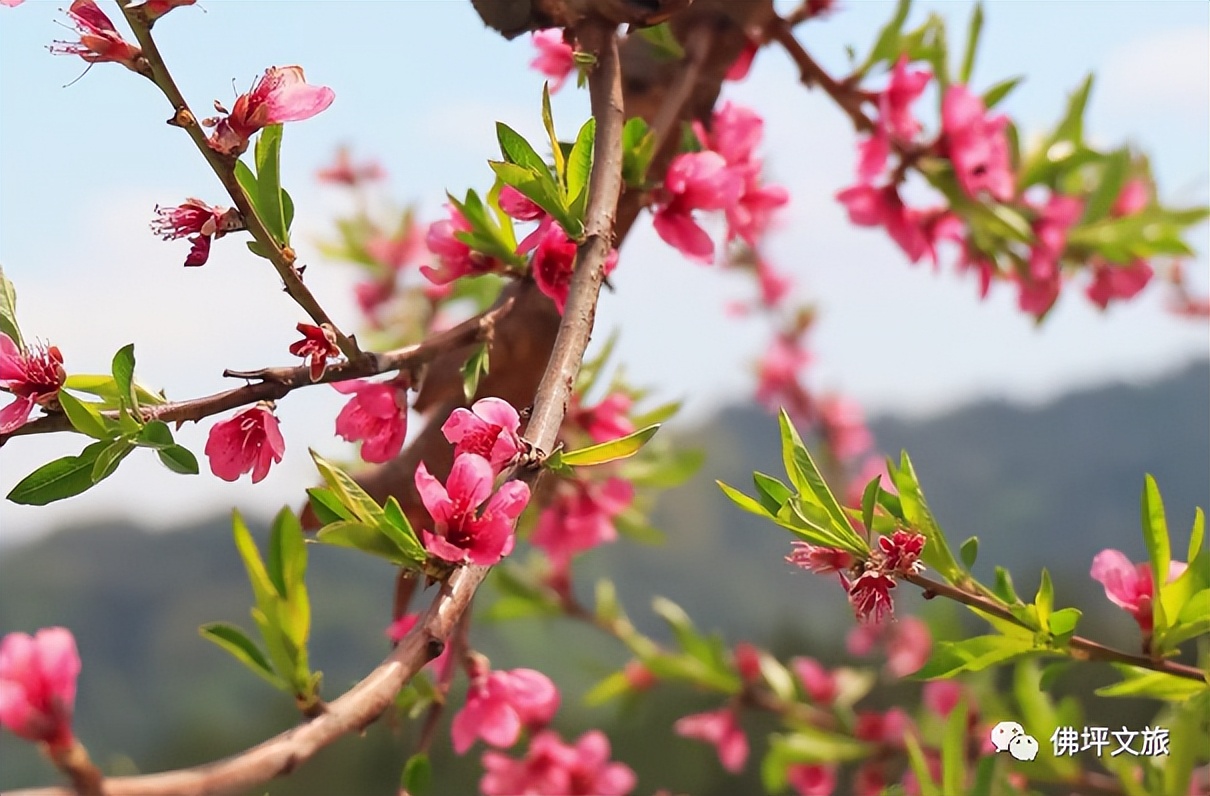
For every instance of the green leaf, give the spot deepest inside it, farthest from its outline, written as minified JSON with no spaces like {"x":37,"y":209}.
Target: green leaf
{"x":366,"y":538}
{"x":515,"y":149}
{"x":972,"y":46}
{"x":886,"y":47}
{"x":920,"y":767}
{"x":1155,"y":534}
{"x":936,"y":553}
{"x":773,"y":493}
{"x":806,"y":745}
{"x":743,"y":501}
{"x":123,"y":377}
{"x":287,"y":554}
{"x":1004,"y":586}
{"x":269,"y":205}
{"x":949,"y":658}
{"x":156,"y":435}
{"x":399,"y":530}
{"x":1038,"y":711}
{"x":611,"y":687}
{"x":476,"y":366}
{"x":969,"y":551}
{"x":541,"y":191}
{"x":548,"y":122}
{"x":805,"y":476}
{"x":998,"y":91}
{"x":663,"y":41}
{"x":869,"y":500}
{"x":86,"y":417}
{"x":1115,"y":170}
{"x":1139,"y":682}
{"x":62,"y":478}
{"x":109,"y":458}
{"x":953,"y":747}
{"x":104,"y":387}
{"x":8,"y":311}
{"x":638,"y":148}
{"x":1044,"y":600}
{"x":417,"y":777}
{"x":620,"y":448}
{"x":178,"y":459}
{"x":247,"y":181}
{"x":243,"y":649}
{"x":349,"y":492}
{"x":327,"y":506}
{"x":1063,"y":624}
{"x":579,"y":162}
{"x":262,"y":587}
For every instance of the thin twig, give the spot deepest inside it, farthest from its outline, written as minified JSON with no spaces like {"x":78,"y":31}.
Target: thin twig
{"x":812,"y":74}
{"x":366,"y":701}
{"x":282,"y":257}
{"x":1087,"y":649}
{"x":276,"y":383}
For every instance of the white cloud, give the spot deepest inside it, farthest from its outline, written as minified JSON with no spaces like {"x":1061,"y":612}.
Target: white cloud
{"x":1165,"y":71}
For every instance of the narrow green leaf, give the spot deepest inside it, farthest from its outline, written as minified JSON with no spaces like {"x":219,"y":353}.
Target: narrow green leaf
{"x":539,"y":189}
{"x":109,"y":458}
{"x":1115,"y":170}
{"x":350,"y":493}
{"x":86,"y":417}
{"x":287,"y":209}
{"x":953,"y":748}
{"x":936,"y":553}
{"x":8,"y":311}
{"x":579,"y":162}
{"x":869,"y":500}
{"x":610,"y":451}
{"x":638,"y":147}
{"x":515,"y":149}
{"x":62,"y":478}
{"x":1139,"y":682}
{"x":920,"y":767}
{"x":104,"y":387}
{"x":663,"y":41}
{"x":743,"y":501}
{"x":178,"y":459}
{"x":268,"y":177}
{"x":1044,"y":600}
{"x":262,"y":587}
{"x":417,"y":777}
{"x":156,"y":435}
{"x":950,"y":658}
{"x":998,"y":91}
{"x":401,"y":532}
{"x":608,"y":689}
{"x":366,"y":538}
{"x":476,"y":366}
{"x":123,"y":376}
{"x":886,"y":46}
{"x":327,"y":506}
{"x":805,"y":476}
{"x":969,"y":551}
{"x":972,"y":45}
{"x":1004,"y":586}
{"x":773,"y":493}
{"x":548,"y":121}
{"x":243,"y":649}
{"x":1155,"y":534}
{"x":1063,"y":625}
{"x":247,"y":180}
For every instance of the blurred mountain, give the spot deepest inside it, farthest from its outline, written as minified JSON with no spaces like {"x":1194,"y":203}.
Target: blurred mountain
{"x":1050,"y":485}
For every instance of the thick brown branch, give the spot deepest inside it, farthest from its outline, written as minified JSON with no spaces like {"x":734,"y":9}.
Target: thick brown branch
{"x":275,"y":383}
{"x":1085,"y":648}
{"x":223,"y":166}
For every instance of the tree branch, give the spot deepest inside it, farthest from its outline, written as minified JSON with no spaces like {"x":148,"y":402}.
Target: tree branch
{"x":812,"y":74}
{"x":366,"y":701}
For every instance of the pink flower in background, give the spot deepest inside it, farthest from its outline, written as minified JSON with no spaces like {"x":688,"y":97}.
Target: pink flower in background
{"x":282,"y":94}
{"x":1130,"y":586}
{"x":1111,"y":281}
{"x":820,"y":560}
{"x":872,"y":154}
{"x":607,"y":420}
{"x":38,"y":685}
{"x":747,"y":662}
{"x":695,"y":181}
{"x":555,"y":58}
{"x":870,"y":780}
{"x":581,"y":517}
{"x":11,"y":3}
{"x":777,"y":383}
{"x":870,"y":596}
{"x":752,"y":216}
{"x":886,"y":728}
{"x":249,"y":441}
{"x":519,"y":206}
{"x":916,"y":231}
{"x":554,"y":261}
{"x":196,"y":218}
{"x":872,"y":466}
{"x":774,"y":286}
{"x":976,"y":144}
{"x":552,"y":768}
{"x":843,"y":426}
{"x":941,"y":696}
{"x":402,"y":626}
{"x":895,"y":102}
{"x":377,"y":414}
{"x":720,"y":728}
{"x":735,"y":132}
{"x":499,"y":704}
{"x":455,"y":258}
{"x":317,"y":346}
{"x":397,"y":251}
{"x":1040,"y":288}
{"x":819,"y":683}
{"x":154,"y":9}
{"x":908,"y":643}
{"x":811,"y":780}
{"x":344,"y":171}
{"x":488,"y":428}
{"x":743,"y":62}
{"x":99,"y":39}
{"x":1132,"y":199}
{"x":460,"y":533}
{"x":33,"y":376}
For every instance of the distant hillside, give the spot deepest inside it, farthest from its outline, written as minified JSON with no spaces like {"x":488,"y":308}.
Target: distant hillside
{"x":1052,"y":484}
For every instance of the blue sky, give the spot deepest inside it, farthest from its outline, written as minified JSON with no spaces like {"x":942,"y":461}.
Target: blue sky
{"x":419,"y":85}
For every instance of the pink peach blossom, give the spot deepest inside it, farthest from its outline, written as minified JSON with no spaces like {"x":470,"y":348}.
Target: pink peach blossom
{"x":195,"y":217}
{"x":249,"y":441}
{"x":718,"y":727}
{"x":606,"y":420}
{"x":317,"y":346}
{"x":941,"y":696}
{"x":870,"y":596}
{"x":843,"y":425}
{"x":976,"y":144}
{"x":38,"y":685}
{"x":743,"y":62}
{"x":377,"y":414}
{"x":33,"y":376}
{"x":460,"y":532}
{"x":581,"y":517}
{"x":1130,"y":586}
{"x":901,"y":553}
{"x":552,"y":768}
{"x":1133,"y":198}
{"x":820,"y":560}
{"x":344,"y":171}
{"x":818,"y":683}
{"x":555,"y":58}
{"x":499,"y":704}
{"x":99,"y":39}
{"x":811,"y":780}
{"x":154,"y":9}
{"x":282,"y":94}
{"x":554,"y":261}
{"x":895,"y":102}
{"x":489,"y":429}
{"x":1111,"y":281}
{"x":695,"y":181}
{"x":454,"y":258}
